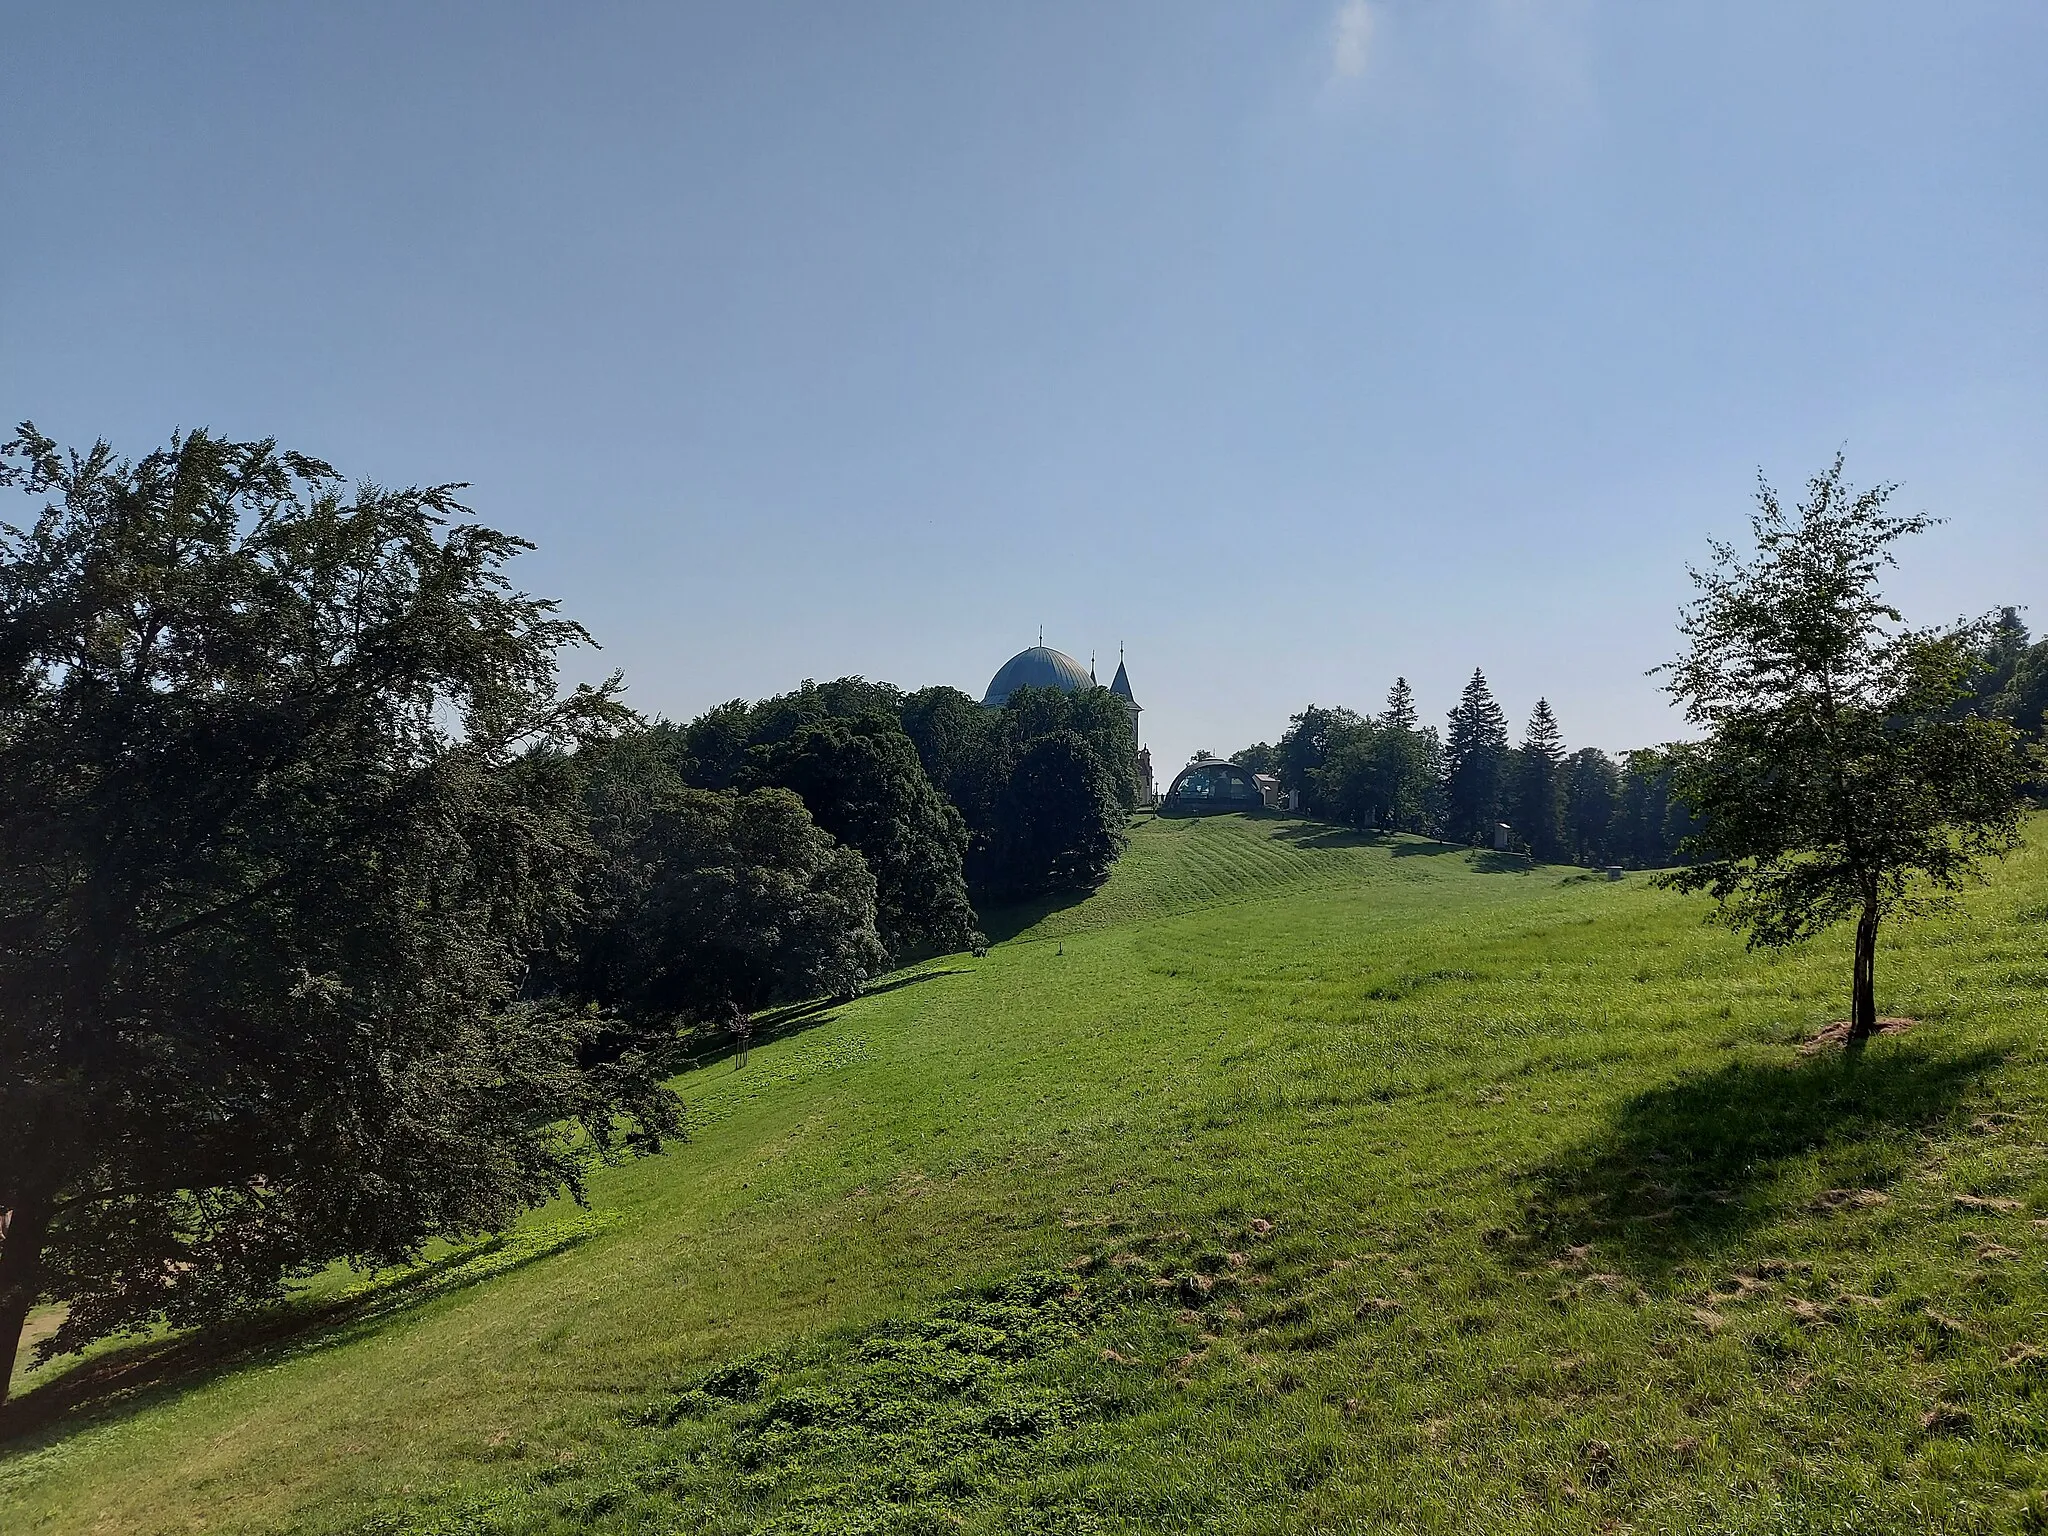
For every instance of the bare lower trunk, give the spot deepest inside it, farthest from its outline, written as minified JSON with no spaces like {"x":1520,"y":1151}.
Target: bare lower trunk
{"x":21,"y":1260}
{"x":1863,"y":995}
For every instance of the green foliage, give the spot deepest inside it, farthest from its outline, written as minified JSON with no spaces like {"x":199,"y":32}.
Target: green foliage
{"x":709,"y":900}
{"x":863,"y":782}
{"x":1537,"y":786}
{"x":1259,"y":757}
{"x":1835,"y":779}
{"x":1399,"y":714}
{"x":958,"y":743}
{"x":1475,"y":764}
{"x":1651,"y":824}
{"x":1379,"y":776}
{"x":272,"y":859}
{"x":867,"y":759}
{"x":1592,"y":788}
{"x":840,"y":748}
{"x":1058,"y":825}
{"x":1311,"y":737}
{"x":1096,"y":715}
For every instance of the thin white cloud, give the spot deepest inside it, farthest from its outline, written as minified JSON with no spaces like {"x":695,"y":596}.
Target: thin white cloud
{"x":1351,"y":39}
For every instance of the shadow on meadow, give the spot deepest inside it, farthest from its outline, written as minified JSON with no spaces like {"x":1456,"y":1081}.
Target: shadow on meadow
{"x":125,"y":1378}
{"x":1685,"y":1170}
{"x":1004,"y":923}
{"x":706,"y":1045}
{"x":1320,"y":834}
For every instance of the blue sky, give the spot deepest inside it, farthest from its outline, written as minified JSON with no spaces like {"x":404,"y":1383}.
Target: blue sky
{"x":1292,"y":346}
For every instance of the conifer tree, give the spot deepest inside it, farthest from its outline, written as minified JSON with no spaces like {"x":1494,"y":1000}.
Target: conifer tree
{"x":1835,"y":780}
{"x":1400,"y":714}
{"x":1536,"y":803}
{"x":1475,"y":757}
{"x":284,"y":815}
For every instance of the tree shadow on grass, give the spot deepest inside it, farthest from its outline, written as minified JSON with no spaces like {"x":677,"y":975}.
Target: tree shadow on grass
{"x":1004,"y":923}
{"x":1323,"y":834}
{"x":706,"y":1045}
{"x":1685,"y":1170}
{"x":126,"y":1378}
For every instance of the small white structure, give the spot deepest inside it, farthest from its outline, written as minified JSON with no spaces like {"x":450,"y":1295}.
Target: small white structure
{"x":1614,"y":871}
{"x":1502,"y":832}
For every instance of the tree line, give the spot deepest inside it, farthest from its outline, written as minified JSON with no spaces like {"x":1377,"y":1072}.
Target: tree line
{"x":1388,"y":772}
{"x":331,"y":924}
{"x":795,"y":846}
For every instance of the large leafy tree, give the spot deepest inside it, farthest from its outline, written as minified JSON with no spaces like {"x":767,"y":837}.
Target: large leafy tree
{"x":708,"y":900}
{"x":1311,"y":737}
{"x":1475,"y":763}
{"x":1259,"y":757}
{"x":1060,"y":825}
{"x":274,"y":852}
{"x":1379,"y":776}
{"x":863,"y":783}
{"x":1651,"y":823}
{"x":1834,"y":780}
{"x":1095,"y":714}
{"x":957,"y":741}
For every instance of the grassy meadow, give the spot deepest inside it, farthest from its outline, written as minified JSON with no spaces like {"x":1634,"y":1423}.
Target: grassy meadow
{"x":1294,"y":1181}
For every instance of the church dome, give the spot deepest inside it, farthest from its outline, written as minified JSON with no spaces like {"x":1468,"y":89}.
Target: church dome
{"x":1039,"y":667}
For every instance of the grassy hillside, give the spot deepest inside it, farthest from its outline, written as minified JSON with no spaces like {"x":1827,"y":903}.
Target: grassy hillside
{"x":1294,"y":1181}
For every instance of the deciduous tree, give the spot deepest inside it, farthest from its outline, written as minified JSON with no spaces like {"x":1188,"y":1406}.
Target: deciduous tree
{"x":1834,"y":780}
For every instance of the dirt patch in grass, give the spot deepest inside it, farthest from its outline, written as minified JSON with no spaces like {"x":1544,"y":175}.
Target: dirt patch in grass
{"x":1837,"y":1033}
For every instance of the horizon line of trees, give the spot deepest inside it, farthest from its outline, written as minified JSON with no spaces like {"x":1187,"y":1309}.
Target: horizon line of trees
{"x":1388,"y":772}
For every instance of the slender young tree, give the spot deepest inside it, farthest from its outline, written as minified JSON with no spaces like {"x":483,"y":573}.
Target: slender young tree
{"x":275,"y":851}
{"x":1834,"y":780}
{"x":1475,"y":759}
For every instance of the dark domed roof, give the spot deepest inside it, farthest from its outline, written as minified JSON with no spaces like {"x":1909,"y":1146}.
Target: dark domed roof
{"x":1039,"y":667}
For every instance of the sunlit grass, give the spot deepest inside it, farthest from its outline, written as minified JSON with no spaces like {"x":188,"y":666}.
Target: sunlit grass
{"x":1294,"y":1181}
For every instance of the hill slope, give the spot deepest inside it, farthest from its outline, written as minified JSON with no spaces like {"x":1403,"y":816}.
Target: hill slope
{"x":1292,"y":1181}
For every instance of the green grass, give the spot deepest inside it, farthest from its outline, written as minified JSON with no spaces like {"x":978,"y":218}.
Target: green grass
{"x":1294,"y":1181}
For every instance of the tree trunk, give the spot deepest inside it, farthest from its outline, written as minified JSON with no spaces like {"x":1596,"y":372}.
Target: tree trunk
{"x":21,"y":1262}
{"x":1863,"y":995}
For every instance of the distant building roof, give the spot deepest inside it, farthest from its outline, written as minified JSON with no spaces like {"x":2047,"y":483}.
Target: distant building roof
{"x":1120,"y":685}
{"x":1039,"y":667}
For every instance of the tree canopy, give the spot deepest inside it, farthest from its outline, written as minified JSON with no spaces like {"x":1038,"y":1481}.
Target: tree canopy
{"x":275,"y":850}
{"x":1835,"y":779}
{"x":863,"y":782}
{"x":705,"y":901}
{"x":1475,"y":764}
